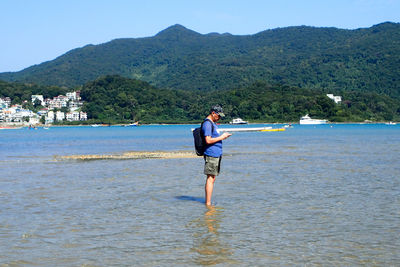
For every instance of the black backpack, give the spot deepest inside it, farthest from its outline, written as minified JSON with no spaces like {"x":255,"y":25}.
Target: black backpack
{"x":199,"y":140}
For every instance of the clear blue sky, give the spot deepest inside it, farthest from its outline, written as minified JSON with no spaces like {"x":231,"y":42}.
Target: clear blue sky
{"x":34,"y":31}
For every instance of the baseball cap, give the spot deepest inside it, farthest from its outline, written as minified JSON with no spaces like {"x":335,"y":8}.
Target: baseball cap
{"x":217,"y":109}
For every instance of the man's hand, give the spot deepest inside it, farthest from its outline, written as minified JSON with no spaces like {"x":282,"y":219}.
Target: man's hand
{"x":210,"y":140}
{"x":225,"y":135}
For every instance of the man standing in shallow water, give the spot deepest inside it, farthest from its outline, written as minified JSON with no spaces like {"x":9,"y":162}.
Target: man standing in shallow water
{"x":213,"y":152}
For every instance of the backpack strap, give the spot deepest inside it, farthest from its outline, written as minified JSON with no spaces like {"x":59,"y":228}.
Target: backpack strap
{"x":212,"y":124}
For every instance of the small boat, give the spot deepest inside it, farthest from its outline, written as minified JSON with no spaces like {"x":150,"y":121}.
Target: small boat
{"x":390,"y":123}
{"x":274,"y":130}
{"x":238,"y":121}
{"x":306,"y":120}
{"x":132,"y":124}
{"x":95,"y":125}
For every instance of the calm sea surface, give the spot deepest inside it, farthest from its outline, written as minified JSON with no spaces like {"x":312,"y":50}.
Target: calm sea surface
{"x":312,"y":195}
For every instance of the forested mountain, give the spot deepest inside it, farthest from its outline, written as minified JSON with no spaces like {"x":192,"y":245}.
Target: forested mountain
{"x":366,"y":60}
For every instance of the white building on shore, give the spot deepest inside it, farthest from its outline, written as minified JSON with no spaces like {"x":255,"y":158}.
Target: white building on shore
{"x":3,"y":104}
{"x":83,"y":116}
{"x":60,"y":116}
{"x":16,"y":113}
{"x":49,"y":119}
{"x":75,"y":96}
{"x":76,"y":116}
{"x":337,"y":99}
{"x":38,"y":97}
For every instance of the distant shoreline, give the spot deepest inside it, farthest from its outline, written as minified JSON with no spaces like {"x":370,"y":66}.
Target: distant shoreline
{"x":169,"y":124}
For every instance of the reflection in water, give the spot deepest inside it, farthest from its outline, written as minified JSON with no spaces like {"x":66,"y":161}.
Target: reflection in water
{"x":209,"y":248}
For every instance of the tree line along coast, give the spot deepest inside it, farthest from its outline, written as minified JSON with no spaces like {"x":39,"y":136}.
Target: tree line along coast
{"x":114,"y":99}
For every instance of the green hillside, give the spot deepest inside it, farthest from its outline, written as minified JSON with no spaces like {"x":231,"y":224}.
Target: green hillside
{"x":366,"y":60}
{"x":115,"y":99}
{"x":19,"y":92}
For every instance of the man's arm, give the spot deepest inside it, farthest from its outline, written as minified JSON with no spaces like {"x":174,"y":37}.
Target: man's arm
{"x":211,"y":140}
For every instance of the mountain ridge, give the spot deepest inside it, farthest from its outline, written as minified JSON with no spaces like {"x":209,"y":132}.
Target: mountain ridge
{"x":365,"y":59}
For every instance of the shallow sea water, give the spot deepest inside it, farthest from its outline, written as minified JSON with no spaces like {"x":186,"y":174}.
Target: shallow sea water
{"x":310,"y":196}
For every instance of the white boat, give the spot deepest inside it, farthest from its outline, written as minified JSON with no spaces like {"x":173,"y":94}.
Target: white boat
{"x":132,"y":124}
{"x":238,"y":121}
{"x":306,"y":120}
{"x":390,"y":123}
{"x":254,"y":129}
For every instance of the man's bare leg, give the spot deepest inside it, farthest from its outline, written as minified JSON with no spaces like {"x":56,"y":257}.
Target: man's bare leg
{"x":209,"y":188}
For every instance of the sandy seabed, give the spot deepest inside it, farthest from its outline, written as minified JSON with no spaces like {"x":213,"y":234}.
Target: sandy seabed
{"x":133,"y":155}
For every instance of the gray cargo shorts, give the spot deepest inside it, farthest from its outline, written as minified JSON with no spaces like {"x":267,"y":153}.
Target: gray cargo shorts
{"x":212,"y":165}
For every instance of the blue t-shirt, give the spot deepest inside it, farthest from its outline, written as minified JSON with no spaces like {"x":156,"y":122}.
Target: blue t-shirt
{"x":214,"y":150}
